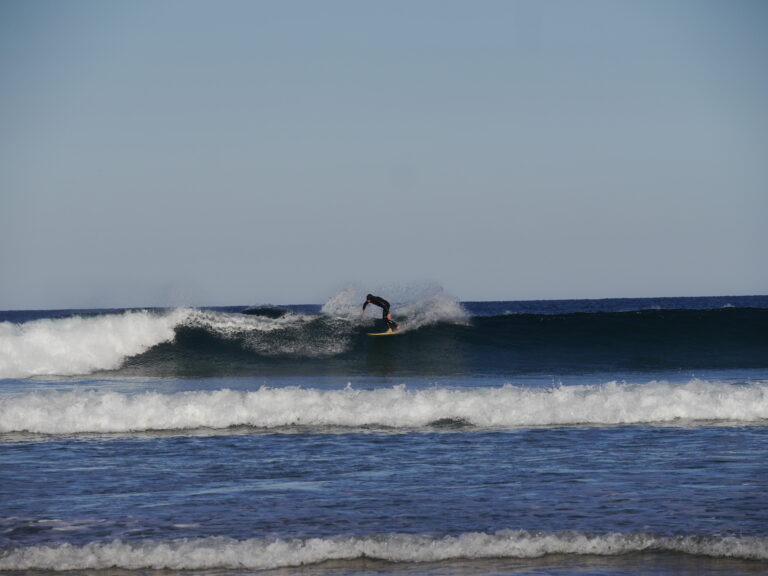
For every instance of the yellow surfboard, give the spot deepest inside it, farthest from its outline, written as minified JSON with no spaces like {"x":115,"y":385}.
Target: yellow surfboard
{"x":387,"y":333}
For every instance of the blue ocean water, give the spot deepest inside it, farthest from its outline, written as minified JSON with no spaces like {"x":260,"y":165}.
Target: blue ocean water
{"x":561,"y":437}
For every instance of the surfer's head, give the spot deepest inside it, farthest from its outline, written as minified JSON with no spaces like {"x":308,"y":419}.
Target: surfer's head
{"x":369,"y":297}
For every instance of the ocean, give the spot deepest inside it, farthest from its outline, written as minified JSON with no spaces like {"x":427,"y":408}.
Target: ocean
{"x":600,"y":437}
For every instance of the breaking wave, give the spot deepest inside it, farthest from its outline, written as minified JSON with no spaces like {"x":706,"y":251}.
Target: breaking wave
{"x":155,"y":342}
{"x":439,"y":337}
{"x":81,"y":344}
{"x":397,"y":407}
{"x":260,"y":554}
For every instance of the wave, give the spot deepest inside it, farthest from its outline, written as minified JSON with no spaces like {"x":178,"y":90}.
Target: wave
{"x":87,"y":344}
{"x":397,"y":407}
{"x":439,"y":337}
{"x":260,"y":554}
{"x":81,"y":344}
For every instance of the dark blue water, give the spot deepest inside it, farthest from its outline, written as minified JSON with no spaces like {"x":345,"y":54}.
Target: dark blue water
{"x":706,"y":480}
{"x":490,"y":438}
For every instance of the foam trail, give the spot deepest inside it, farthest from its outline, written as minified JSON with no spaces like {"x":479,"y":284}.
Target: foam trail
{"x":397,"y":407}
{"x":81,"y":344}
{"x":260,"y":554}
{"x":296,"y":336}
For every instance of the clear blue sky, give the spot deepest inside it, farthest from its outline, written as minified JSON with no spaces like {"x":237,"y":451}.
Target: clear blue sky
{"x":237,"y":152}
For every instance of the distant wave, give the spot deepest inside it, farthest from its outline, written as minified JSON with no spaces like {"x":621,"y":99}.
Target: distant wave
{"x":260,"y":554}
{"x":396,"y":407}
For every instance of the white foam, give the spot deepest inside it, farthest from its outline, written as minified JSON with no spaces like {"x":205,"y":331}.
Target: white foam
{"x":235,"y":325}
{"x":259,"y":554}
{"x":256,"y":333}
{"x":81,"y":344}
{"x":398,"y":407}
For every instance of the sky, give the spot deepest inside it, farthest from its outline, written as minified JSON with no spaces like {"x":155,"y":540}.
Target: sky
{"x":167,"y":153}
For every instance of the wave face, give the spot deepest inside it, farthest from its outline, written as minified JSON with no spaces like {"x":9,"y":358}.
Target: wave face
{"x":440,"y":337}
{"x":260,"y":554}
{"x":396,"y":407}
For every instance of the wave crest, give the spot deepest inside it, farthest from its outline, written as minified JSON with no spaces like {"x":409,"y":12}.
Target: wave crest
{"x":82,"y":344}
{"x":260,"y":554}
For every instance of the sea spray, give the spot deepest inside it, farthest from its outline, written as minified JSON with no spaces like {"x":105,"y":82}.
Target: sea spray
{"x":414,"y":306}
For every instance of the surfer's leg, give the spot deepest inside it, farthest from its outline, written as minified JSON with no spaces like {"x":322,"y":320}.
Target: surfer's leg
{"x":391,"y":324}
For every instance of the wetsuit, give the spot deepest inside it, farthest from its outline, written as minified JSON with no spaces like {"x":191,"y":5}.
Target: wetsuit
{"x":378,"y":301}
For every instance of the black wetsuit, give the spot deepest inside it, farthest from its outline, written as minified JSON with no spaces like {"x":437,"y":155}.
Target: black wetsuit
{"x":378,"y":301}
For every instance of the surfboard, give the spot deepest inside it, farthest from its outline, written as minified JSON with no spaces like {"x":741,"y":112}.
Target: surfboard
{"x":387,"y":333}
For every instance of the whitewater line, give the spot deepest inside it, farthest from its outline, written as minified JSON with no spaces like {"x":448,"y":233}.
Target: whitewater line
{"x":397,"y":407}
{"x":259,"y":554}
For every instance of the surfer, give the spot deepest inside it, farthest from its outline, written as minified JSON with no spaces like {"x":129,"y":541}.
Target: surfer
{"x":385,"y":315}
